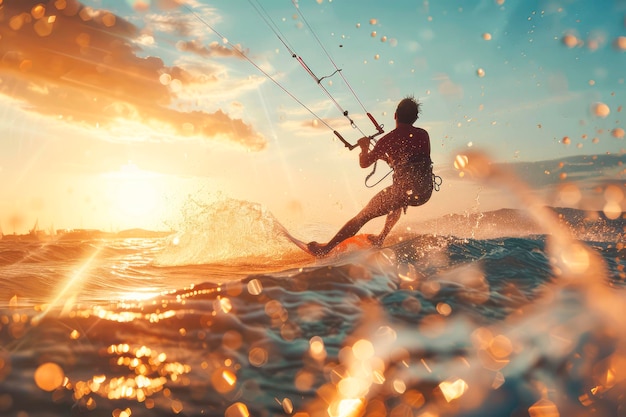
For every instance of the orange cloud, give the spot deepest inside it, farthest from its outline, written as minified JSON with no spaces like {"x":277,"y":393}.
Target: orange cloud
{"x":67,"y":60}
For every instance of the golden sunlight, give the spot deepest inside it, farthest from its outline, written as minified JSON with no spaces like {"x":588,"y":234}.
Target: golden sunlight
{"x":134,"y":195}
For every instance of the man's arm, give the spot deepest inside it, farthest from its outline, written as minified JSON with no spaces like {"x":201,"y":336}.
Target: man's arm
{"x":366,"y":158}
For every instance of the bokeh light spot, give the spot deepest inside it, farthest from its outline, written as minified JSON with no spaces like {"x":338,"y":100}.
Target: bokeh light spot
{"x":453,"y":388}
{"x":543,"y":408}
{"x":237,"y":409}
{"x":600,"y":110}
{"x":618,"y":133}
{"x":49,"y":376}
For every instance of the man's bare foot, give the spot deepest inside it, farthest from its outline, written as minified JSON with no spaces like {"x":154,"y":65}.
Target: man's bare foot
{"x":376,"y":240}
{"x":317,"y":249}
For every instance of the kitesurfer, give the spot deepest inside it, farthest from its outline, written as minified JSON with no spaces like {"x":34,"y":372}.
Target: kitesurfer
{"x":406,"y":149}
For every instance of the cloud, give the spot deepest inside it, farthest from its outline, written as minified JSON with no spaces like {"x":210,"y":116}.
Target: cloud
{"x":447,"y":88}
{"x":210,"y":50}
{"x":80,"y":64}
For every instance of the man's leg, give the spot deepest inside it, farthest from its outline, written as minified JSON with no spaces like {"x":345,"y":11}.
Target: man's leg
{"x":390,"y":222}
{"x":348,"y":230}
{"x":378,"y":206}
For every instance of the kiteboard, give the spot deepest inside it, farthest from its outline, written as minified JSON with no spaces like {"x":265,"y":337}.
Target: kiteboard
{"x":299,"y":243}
{"x":357,"y":242}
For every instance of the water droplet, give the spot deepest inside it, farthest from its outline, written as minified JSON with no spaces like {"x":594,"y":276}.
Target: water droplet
{"x":460,"y":161}
{"x":232,"y":340}
{"x":38,"y":11}
{"x":612,"y":210}
{"x":43,"y":27}
{"x":223,"y":380}
{"x":543,"y":408}
{"x":373,"y":21}
{"x":255,"y":287}
{"x":16,"y":22}
{"x":287,"y":404}
{"x":566,"y":140}
{"x":237,"y":410}
{"x":399,"y":386}
{"x":500,"y":347}
{"x":363,"y":349}
{"x":570,"y":40}
{"x":373,"y":34}
{"x":165,"y":79}
{"x":487,"y":36}
{"x":614,"y":193}
{"x":222,"y":305}
{"x":480,"y":72}
{"x":176,"y":85}
{"x":257,"y":356}
{"x":618,"y":133}
{"x":108,"y":20}
{"x":141,"y":5}
{"x":316,"y":348}
{"x":444,"y":309}
{"x":60,"y":4}
{"x":453,"y":388}
{"x":601,"y":110}
{"x":570,"y":194}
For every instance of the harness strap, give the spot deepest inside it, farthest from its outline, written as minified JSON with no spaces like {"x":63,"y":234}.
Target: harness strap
{"x":372,"y":173}
{"x":437,"y":181}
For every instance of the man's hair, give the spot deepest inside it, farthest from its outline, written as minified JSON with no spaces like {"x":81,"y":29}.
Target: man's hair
{"x":408,"y":110}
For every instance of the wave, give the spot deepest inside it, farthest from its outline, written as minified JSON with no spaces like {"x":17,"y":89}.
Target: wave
{"x":586,"y":225}
{"x":432,"y":324}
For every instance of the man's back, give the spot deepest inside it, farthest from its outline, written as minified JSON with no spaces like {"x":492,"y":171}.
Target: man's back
{"x":405,"y":144}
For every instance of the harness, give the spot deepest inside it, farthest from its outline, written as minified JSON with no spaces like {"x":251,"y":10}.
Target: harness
{"x":436,"y":179}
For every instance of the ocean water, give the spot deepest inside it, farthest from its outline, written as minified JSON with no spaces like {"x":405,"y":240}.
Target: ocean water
{"x":431,"y":325}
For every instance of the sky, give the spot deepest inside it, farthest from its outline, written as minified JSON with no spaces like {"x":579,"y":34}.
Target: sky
{"x":118,"y":114}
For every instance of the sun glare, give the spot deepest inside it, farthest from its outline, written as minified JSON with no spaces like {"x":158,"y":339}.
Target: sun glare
{"x":134,"y":196}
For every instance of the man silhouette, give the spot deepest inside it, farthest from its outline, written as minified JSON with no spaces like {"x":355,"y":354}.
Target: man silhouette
{"x":406,"y":149}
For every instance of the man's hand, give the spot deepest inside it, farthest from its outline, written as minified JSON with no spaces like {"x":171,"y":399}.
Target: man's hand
{"x":364,"y":142}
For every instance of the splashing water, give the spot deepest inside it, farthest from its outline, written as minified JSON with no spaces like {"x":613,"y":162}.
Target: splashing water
{"x":225,"y":230}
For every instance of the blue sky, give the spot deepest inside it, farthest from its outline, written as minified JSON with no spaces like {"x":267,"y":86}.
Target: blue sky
{"x":116,"y":113}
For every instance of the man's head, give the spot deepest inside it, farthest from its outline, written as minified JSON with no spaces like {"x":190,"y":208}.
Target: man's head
{"x":407,"y":111}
